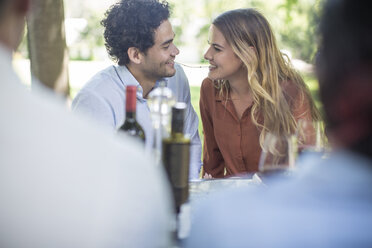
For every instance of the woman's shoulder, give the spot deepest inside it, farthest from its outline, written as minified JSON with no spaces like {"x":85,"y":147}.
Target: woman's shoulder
{"x":290,"y":88}
{"x":298,"y":99}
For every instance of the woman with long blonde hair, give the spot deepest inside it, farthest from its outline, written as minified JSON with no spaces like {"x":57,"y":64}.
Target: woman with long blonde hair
{"x":251,"y":90}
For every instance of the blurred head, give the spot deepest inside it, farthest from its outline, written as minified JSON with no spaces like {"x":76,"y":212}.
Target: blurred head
{"x":344,"y":68}
{"x":132,"y":23}
{"x":12,"y":21}
{"x":1,"y":6}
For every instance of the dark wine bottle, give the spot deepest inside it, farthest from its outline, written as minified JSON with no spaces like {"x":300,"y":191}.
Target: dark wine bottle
{"x":130,"y":125}
{"x":176,"y":157}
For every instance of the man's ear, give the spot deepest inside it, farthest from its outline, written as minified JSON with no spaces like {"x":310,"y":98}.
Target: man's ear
{"x":134,"y":55}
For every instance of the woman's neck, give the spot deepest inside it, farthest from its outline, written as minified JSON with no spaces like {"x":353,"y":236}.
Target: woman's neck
{"x":238,"y":83}
{"x":239,"y":87}
{"x":241,"y":96}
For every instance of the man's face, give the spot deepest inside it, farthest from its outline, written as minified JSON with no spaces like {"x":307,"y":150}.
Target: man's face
{"x":158,"y":62}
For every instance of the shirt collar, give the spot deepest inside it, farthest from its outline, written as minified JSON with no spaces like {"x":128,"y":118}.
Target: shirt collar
{"x":127,"y":78}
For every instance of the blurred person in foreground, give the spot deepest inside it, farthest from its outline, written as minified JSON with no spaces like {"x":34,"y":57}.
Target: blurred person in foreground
{"x":139,"y":37}
{"x":329,"y":203}
{"x":252,"y":91}
{"x":62,"y":182}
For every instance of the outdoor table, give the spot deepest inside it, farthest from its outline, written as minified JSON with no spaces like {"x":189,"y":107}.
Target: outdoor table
{"x":201,"y":188}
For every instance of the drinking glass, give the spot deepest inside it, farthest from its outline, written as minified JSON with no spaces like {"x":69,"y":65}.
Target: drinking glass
{"x":310,"y":136}
{"x":278,"y":154}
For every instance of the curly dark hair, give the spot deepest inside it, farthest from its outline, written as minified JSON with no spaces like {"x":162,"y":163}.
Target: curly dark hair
{"x":132,"y":23}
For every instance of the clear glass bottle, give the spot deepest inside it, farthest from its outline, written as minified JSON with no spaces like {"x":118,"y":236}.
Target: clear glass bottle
{"x":160,"y":102}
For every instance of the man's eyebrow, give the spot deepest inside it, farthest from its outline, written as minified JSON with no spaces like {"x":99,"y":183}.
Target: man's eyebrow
{"x":168,"y":41}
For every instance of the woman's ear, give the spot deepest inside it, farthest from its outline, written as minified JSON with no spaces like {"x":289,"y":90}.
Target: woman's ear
{"x":134,"y":55}
{"x":253,"y":53}
{"x":252,"y":49}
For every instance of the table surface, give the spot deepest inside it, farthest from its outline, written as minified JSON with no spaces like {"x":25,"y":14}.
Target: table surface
{"x":201,"y":188}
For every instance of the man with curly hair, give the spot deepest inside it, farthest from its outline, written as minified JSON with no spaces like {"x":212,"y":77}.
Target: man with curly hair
{"x":139,"y":37}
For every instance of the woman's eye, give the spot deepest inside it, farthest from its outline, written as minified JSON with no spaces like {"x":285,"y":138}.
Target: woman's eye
{"x":217,"y":49}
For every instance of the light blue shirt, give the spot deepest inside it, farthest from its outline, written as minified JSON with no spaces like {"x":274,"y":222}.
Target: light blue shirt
{"x":103,"y":99}
{"x":327,"y":204}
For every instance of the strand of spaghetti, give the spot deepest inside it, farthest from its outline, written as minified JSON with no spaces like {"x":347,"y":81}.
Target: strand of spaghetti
{"x":192,"y":66}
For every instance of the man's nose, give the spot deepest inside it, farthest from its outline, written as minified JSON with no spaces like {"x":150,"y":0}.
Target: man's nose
{"x":175,"y":50}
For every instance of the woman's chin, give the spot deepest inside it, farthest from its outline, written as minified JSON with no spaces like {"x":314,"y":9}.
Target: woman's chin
{"x":212,"y":77}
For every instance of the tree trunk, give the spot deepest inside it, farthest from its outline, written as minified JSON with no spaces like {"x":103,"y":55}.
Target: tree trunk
{"x":47,"y":45}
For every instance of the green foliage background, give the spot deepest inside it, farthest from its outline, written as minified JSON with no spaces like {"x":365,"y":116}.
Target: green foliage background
{"x":293,"y":21}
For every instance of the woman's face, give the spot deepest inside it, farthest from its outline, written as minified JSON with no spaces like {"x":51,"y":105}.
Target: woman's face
{"x":224,"y":64}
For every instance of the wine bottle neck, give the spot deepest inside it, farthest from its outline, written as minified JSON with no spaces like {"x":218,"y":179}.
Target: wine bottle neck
{"x":131,"y":99}
{"x":130,"y":115}
{"x":177,"y":126}
{"x":178,"y":117}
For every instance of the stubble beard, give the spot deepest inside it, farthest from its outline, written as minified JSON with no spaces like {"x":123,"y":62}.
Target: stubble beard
{"x":165,"y":71}
{"x":158,"y":72}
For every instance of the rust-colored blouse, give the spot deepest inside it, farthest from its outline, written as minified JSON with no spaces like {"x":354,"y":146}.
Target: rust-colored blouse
{"x":230,"y":143}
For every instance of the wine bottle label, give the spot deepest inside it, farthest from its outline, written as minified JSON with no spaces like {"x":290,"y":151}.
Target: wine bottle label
{"x":176,"y":157}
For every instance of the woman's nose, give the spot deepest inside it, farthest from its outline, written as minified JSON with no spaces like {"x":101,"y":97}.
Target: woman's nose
{"x":208,"y":55}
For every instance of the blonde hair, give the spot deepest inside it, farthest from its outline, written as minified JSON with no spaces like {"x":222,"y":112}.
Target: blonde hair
{"x":249,"y":34}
